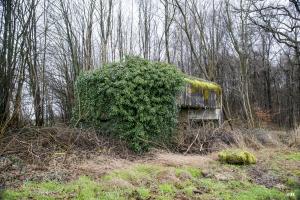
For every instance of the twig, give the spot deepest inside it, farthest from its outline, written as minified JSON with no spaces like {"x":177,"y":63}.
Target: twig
{"x":192,"y":143}
{"x":149,"y":141}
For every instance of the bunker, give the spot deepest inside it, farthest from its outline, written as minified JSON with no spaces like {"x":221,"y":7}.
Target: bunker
{"x":200,"y":103}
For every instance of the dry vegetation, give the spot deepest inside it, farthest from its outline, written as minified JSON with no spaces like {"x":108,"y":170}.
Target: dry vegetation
{"x":205,"y":140}
{"x":62,"y":154}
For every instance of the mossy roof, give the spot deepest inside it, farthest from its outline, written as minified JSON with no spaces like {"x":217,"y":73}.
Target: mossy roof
{"x":204,"y":85}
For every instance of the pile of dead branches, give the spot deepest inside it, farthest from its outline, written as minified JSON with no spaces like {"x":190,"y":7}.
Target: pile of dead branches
{"x":205,"y":140}
{"x":38,"y":145}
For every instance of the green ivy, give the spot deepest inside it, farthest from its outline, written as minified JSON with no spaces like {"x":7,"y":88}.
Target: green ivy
{"x":134,"y":99}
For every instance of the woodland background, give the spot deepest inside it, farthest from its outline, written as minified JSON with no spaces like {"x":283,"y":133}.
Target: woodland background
{"x":249,"y":47}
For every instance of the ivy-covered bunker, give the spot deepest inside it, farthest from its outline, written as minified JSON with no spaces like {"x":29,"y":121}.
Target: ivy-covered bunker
{"x":137,"y":100}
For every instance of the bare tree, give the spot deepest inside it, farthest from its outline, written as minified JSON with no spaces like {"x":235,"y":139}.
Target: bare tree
{"x":45,"y":45}
{"x":88,"y":38}
{"x":104,"y":16}
{"x":240,"y":41}
{"x":183,"y":9}
{"x":145,"y":17}
{"x":282,"y":21}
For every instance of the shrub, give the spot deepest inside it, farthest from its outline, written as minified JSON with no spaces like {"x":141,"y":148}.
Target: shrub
{"x":237,"y":156}
{"x":134,"y":99}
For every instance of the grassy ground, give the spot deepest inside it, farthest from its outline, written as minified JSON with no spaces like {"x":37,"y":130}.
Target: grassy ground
{"x":275,"y":176}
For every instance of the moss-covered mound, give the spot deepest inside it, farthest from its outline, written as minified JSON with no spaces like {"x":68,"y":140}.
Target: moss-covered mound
{"x":237,"y":157}
{"x":134,"y":99}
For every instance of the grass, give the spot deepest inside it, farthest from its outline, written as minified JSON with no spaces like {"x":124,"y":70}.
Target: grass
{"x":239,"y":190}
{"x":143,"y":192}
{"x":166,"y":188}
{"x":149,"y":181}
{"x":295,"y":156}
{"x":288,"y":156}
{"x":83,"y":188}
{"x":144,"y":182}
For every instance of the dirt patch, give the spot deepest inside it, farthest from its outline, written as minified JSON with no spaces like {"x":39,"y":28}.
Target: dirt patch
{"x":262,"y":176}
{"x":224,"y":176}
{"x":167,"y":176}
{"x":171,"y":159}
{"x":118,"y":184}
{"x":100,"y":165}
{"x":184,"y":176}
{"x":273,"y":169}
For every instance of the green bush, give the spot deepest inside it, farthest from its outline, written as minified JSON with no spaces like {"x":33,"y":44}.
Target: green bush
{"x":134,"y":99}
{"x":236,"y":156}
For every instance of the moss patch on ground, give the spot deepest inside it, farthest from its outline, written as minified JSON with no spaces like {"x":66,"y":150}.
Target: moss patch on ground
{"x":237,"y":156}
{"x":146,"y":181}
